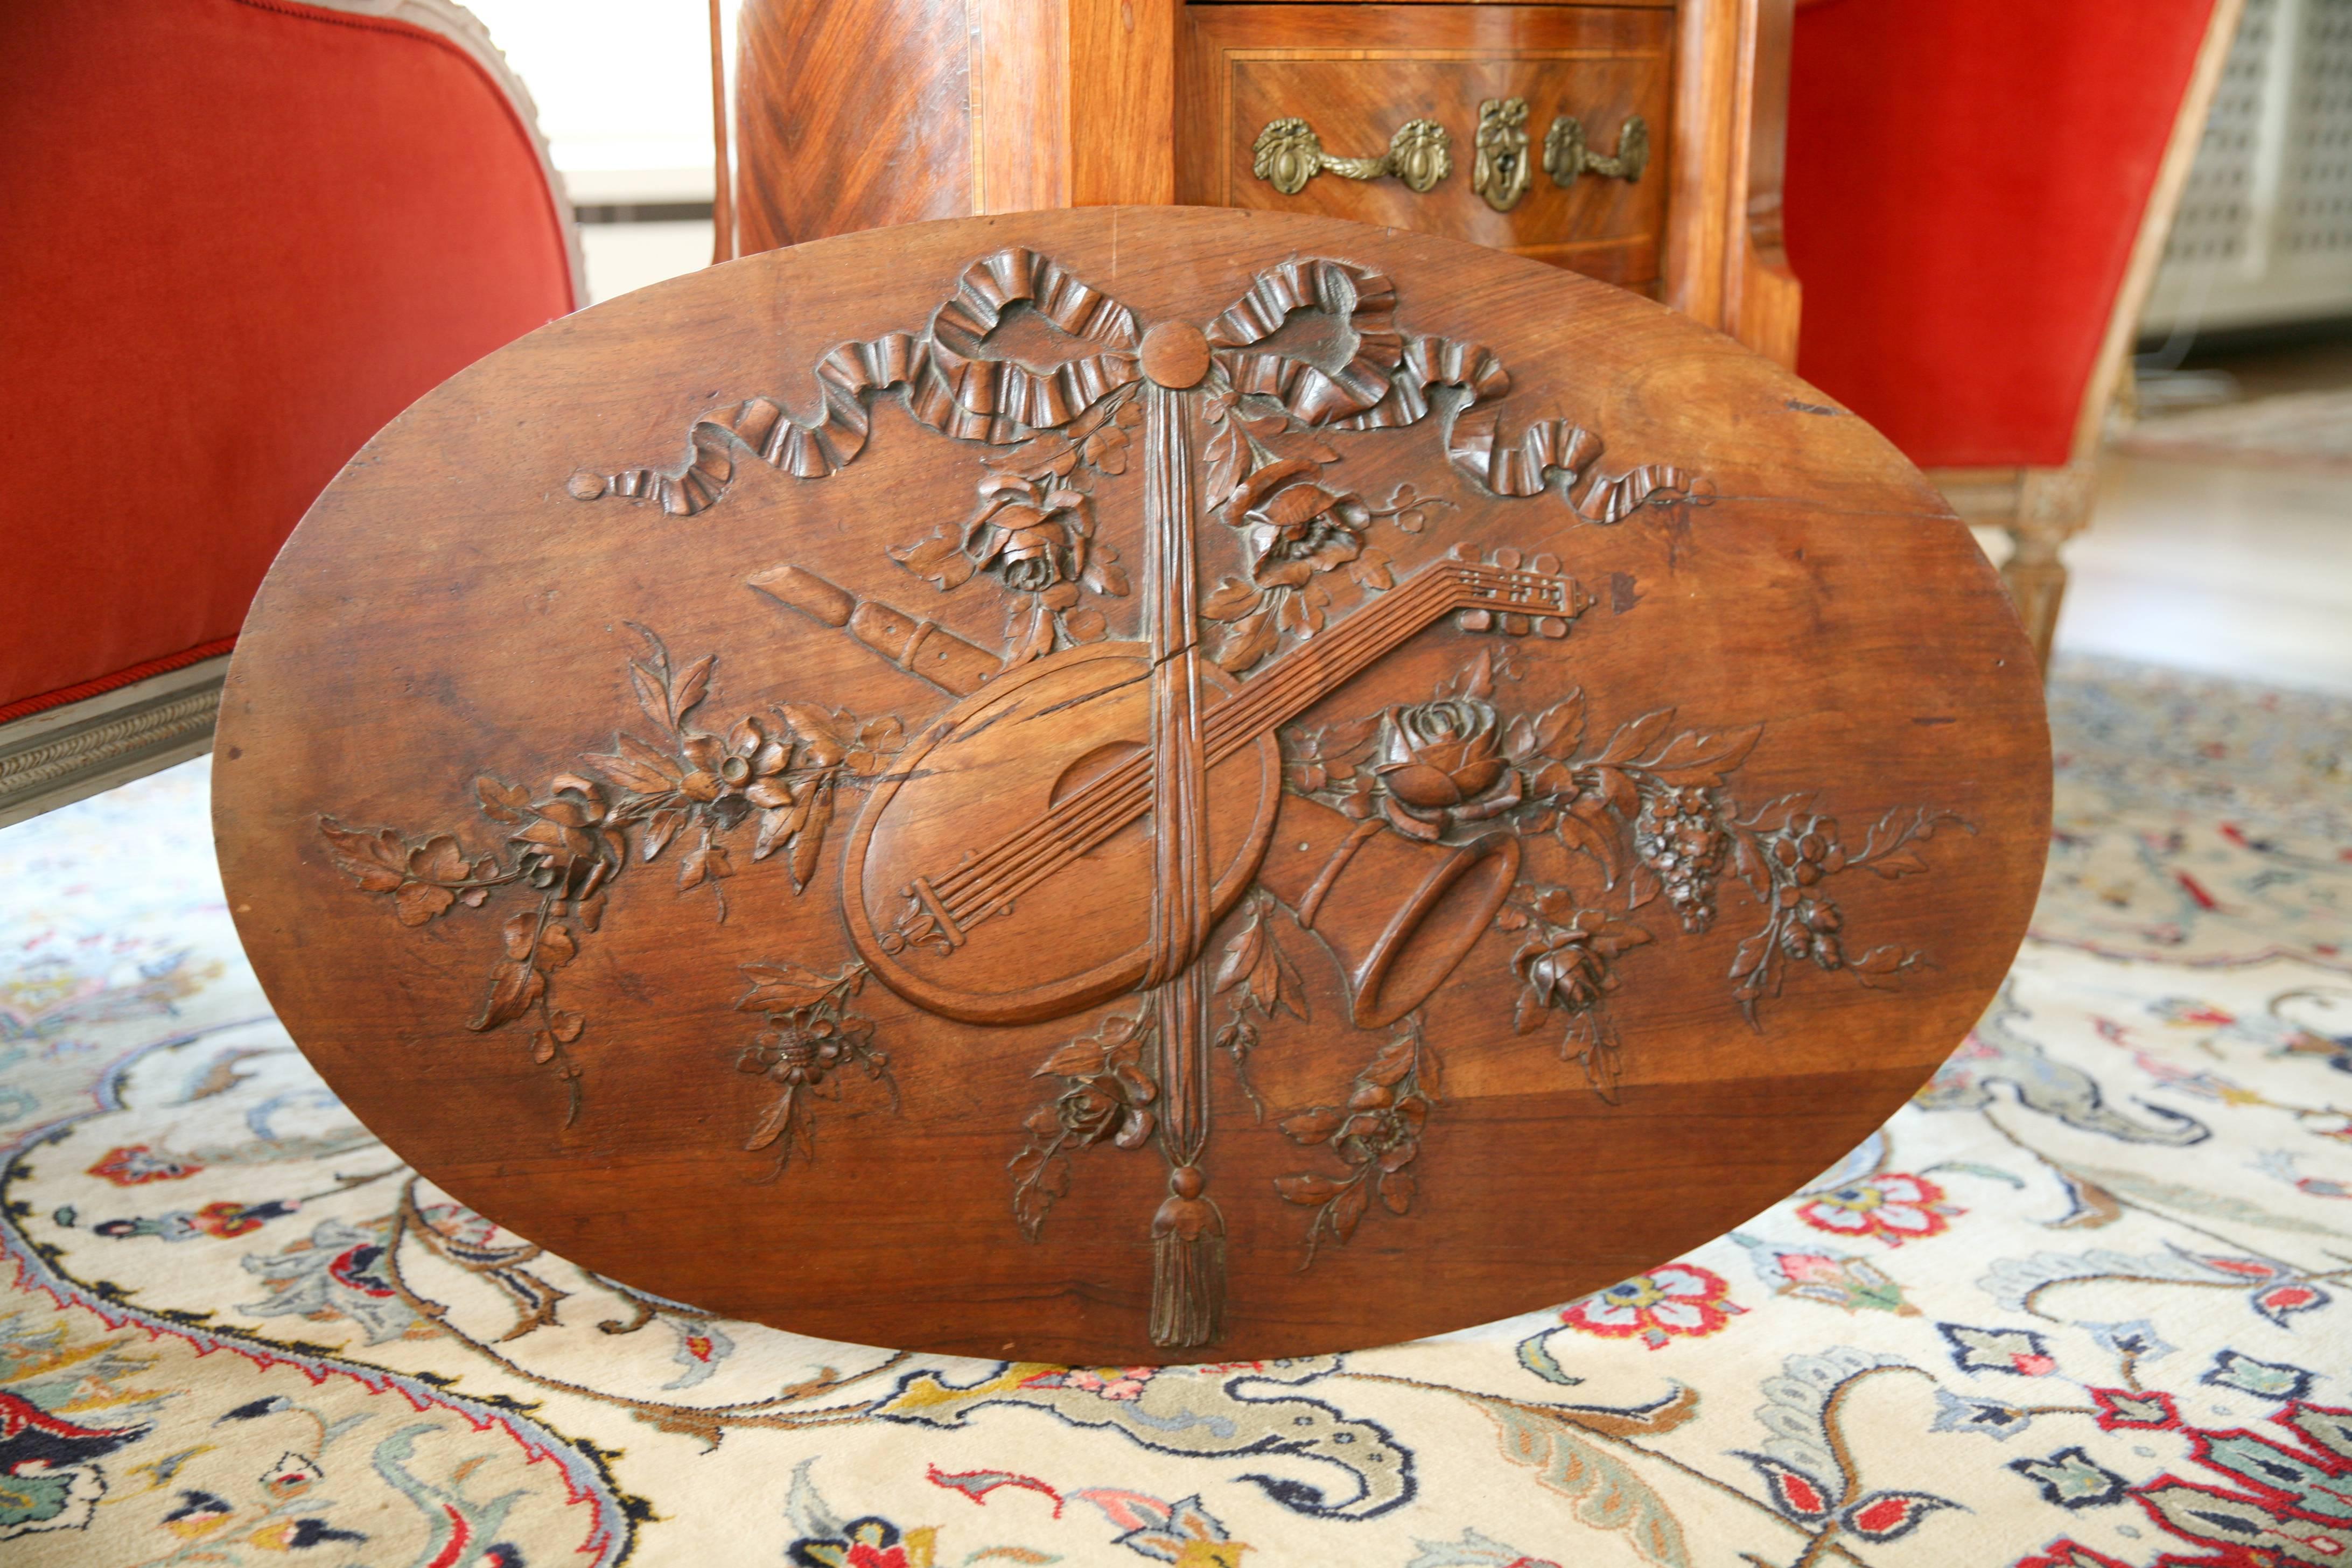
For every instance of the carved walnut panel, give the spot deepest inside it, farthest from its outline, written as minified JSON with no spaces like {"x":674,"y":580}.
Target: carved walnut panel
{"x":1129,"y":784}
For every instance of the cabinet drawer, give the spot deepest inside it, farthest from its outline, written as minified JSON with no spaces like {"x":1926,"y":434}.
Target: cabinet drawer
{"x":1355,"y":74}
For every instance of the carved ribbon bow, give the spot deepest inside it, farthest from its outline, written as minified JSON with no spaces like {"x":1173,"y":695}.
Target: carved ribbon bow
{"x":1384,"y":383}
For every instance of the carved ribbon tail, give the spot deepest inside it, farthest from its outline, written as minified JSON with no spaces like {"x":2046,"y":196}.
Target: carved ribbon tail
{"x":1188,"y":1234}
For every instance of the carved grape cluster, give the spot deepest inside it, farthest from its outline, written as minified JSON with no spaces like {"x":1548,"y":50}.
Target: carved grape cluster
{"x":1679,"y":835}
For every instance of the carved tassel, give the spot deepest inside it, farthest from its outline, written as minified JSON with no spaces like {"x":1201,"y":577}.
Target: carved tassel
{"x":1187,"y":1265}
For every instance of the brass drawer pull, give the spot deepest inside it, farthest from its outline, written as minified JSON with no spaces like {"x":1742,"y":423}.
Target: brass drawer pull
{"x":1501,"y":173}
{"x":1289,"y":153}
{"x":1566,"y":155}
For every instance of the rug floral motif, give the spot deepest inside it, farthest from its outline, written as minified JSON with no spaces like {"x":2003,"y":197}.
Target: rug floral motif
{"x":2086,"y":1303}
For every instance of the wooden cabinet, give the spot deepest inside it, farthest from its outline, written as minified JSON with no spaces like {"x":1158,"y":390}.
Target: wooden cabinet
{"x":854,"y":114}
{"x":1521,"y":80}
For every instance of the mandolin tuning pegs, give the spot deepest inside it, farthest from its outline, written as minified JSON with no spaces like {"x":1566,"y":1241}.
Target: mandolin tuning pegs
{"x":1551,"y":626}
{"x":1547,"y":563}
{"x":1476,"y":620}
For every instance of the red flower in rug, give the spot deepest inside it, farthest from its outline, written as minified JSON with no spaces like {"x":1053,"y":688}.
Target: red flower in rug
{"x":225,"y":1219}
{"x":1679,"y":1300}
{"x":138,"y":1164}
{"x":1891,"y":1206}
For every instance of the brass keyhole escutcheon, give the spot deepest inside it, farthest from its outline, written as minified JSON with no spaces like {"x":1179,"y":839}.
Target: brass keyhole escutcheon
{"x":1503,"y":171}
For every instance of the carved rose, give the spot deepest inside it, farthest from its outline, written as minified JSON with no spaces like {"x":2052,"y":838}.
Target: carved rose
{"x":568,"y":847}
{"x":1441,"y":764}
{"x":1030,"y":535}
{"x":1287,"y":154}
{"x":1565,"y":969}
{"x":1108,"y":1105}
{"x":1294,"y":526}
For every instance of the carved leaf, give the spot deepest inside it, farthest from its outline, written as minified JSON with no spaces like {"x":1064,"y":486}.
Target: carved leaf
{"x":1086,"y":625}
{"x":1560,"y":729}
{"x":777,"y":826}
{"x":1306,"y":1188}
{"x":590,"y":911}
{"x":1242,"y":954}
{"x":650,"y":696}
{"x":565,"y":1026}
{"x":1104,"y":574}
{"x":518,"y":932}
{"x":1699,"y":759}
{"x":1034,"y":642}
{"x":1079,"y":1058}
{"x":772,"y":1121}
{"x":1347,"y":1209}
{"x":809,"y":843}
{"x":1397,"y":1189}
{"x":376,"y":861}
{"x":1529,"y":1014}
{"x":1751,"y":954}
{"x":514,"y":986}
{"x":630,"y":774}
{"x":418,"y":902}
{"x":1244,"y":643}
{"x":692,"y":685}
{"x":1635,"y":736}
{"x":660,"y":827}
{"x":1428,"y":1076}
{"x":1394,"y":1061}
{"x":1371,"y":571}
{"x":940,"y":558}
{"x":437,"y":860}
{"x":556,"y":948}
{"x":542,"y":1048}
{"x":817,"y":729}
{"x":1230,"y":600}
{"x":1314,"y":1125}
{"x":501,"y":802}
{"x":781,"y":987}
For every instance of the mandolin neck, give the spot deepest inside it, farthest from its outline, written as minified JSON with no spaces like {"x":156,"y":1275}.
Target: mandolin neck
{"x":1320,"y":666}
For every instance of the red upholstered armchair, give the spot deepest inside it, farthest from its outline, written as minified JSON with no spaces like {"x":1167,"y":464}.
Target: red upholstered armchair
{"x":241,"y":236}
{"x":1977,"y":196}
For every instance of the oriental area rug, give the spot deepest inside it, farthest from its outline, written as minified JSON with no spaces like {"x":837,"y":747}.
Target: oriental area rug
{"x":2087,"y":1302}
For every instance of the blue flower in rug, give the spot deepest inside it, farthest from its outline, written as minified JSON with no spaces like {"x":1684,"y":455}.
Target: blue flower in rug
{"x":2262,"y":1379}
{"x":339,"y":1272}
{"x":2070,"y":1479}
{"x":1964,"y":1412}
{"x":2021,"y":1353}
{"x":2136,"y":1339}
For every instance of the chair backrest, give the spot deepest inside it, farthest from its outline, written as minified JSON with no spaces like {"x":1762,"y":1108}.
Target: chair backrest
{"x":241,"y":236}
{"x":1966,"y":189}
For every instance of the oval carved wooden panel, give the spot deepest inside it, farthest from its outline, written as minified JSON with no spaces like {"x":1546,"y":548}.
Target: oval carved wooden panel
{"x":1129,"y":784}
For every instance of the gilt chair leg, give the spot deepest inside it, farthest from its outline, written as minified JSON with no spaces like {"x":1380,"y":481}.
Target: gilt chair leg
{"x":2052,"y":505}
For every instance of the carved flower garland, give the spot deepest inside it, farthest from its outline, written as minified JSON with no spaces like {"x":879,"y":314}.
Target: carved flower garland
{"x":689,"y":786}
{"x":1650,"y":810}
